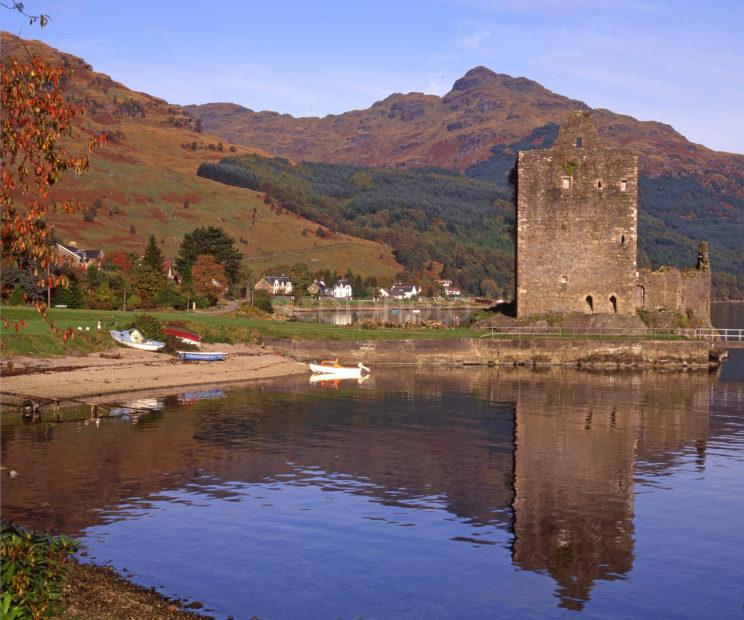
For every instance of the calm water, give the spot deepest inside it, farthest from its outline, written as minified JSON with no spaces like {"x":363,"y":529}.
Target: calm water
{"x":451,"y":317}
{"x":470,"y":493}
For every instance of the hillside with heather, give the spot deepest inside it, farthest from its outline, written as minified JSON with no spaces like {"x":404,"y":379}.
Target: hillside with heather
{"x":143,"y":181}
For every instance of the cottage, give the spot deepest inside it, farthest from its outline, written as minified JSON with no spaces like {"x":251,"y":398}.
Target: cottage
{"x":405,"y":291}
{"x":276,"y":285}
{"x":81,"y":259}
{"x":382,"y":293}
{"x":342,"y":290}
{"x":318,"y":288}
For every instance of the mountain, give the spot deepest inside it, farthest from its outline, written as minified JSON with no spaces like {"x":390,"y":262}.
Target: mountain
{"x":144,"y":181}
{"x":687,"y":191}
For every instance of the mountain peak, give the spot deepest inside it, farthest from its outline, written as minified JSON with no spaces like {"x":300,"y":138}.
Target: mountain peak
{"x":473,"y":78}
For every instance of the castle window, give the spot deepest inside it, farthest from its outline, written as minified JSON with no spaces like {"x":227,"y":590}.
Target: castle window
{"x":599,"y":183}
{"x":623,"y":185}
{"x":566,"y":182}
{"x":622,"y":240}
{"x":564,"y":279}
{"x":590,"y":302}
{"x":613,"y":301}
{"x":640,"y":296}
{"x":579,"y":142}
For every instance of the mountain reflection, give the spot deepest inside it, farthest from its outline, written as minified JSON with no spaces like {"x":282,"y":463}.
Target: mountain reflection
{"x":551,"y":457}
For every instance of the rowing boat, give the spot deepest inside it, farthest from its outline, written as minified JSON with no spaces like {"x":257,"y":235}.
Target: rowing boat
{"x":202,"y":356}
{"x":134,"y":339}
{"x":333,"y":368}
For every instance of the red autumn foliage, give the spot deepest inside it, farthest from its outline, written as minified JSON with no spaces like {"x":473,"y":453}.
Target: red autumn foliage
{"x":33,"y":117}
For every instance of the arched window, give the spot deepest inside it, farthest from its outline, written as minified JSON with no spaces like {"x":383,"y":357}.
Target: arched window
{"x":579,"y":142}
{"x":613,"y":301}
{"x":622,"y":240}
{"x":640,"y":296}
{"x":590,"y":302}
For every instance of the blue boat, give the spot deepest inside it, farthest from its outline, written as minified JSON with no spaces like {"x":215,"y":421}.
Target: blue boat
{"x":202,"y":356}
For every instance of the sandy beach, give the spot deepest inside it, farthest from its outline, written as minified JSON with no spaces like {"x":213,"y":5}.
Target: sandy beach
{"x":122,"y":371}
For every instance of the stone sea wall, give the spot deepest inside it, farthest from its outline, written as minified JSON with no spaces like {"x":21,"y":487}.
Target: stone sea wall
{"x":538,"y":352}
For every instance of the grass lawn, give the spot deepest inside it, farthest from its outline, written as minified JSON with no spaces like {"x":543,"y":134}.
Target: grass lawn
{"x":35,"y":338}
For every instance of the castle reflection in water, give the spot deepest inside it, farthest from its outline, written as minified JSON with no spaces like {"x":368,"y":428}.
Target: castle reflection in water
{"x":551,"y":457}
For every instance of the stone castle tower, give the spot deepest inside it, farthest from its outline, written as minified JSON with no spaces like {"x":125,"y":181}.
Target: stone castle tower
{"x":577,"y":213}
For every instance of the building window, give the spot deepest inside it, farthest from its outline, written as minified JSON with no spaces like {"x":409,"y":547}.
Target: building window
{"x":566,"y":182}
{"x":599,"y":183}
{"x":564,"y":279}
{"x":579,"y":142}
{"x":590,"y":302}
{"x":622,"y":240}
{"x":623,"y":185}
{"x":613,"y":301}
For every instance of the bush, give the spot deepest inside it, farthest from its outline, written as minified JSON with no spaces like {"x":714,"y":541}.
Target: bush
{"x":16,"y":296}
{"x":262,"y":301}
{"x":72,"y":296}
{"x":150,"y":326}
{"x":34,"y":567}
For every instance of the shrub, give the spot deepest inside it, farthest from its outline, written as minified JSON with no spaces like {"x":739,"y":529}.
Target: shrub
{"x":16,"y":296}
{"x":150,"y":326}
{"x":34,"y":567}
{"x":262,"y":301}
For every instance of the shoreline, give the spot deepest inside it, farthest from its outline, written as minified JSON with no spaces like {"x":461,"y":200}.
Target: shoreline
{"x":98,"y":592}
{"x":121,"y":371}
{"x":127,"y":371}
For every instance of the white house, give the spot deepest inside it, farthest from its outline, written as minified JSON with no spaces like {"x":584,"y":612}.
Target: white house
{"x":342,"y":289}
{"x":382,"y":293}
{"x":405,"y":291}
{"x":276,"y":285}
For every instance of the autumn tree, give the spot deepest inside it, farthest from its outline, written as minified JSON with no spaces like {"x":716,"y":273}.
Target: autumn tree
{"x":209,"y":277}
{"x":33,"y":118}
{"x":215,"y":242}
{"x":121,"y":261}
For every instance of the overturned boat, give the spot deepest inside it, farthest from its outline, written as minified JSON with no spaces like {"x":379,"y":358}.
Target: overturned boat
{"x":183,"y":335}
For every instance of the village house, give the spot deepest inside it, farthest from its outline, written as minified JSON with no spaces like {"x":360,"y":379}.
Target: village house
{"x":80,"y":259}
{"x":382,"y":294}
{"x":169,"y":270}
{"x":405,"y":291}
{"x":318,"y":288}
{"x":276,"y":285}
{"x":342,"y":290}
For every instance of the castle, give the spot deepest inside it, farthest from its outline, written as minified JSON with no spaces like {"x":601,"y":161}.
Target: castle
{"x":577,"y":233}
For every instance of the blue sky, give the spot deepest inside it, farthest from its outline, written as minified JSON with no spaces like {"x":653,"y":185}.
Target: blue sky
{"x":680,"y":62}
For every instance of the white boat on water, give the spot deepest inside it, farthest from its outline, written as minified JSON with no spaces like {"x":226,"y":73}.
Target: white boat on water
{"x":134,"y":339}
{"x":333,"y":369}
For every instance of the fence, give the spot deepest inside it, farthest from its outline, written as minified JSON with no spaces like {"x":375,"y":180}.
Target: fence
{"x":569,"y":332}
{"x":709,"y":334}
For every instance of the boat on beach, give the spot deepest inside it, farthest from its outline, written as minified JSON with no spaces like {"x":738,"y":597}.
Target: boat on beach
{"x":134,"y":339}
{"x":183,"y":335}
{"x":337,"y":371}
{"x":202,"y":356}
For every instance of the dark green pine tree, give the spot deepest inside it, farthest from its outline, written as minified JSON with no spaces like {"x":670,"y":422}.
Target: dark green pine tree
{"x":153,"y":257}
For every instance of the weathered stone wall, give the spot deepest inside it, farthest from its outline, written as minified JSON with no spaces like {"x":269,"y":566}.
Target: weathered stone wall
{"x":576,"y":225}
{"x":688,"y":292}
{"x":548,"y":351}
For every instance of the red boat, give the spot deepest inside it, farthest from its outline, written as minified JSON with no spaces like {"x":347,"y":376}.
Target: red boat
{"x":183,"y":335}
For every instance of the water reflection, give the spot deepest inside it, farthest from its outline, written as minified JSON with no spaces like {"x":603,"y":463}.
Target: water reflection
{"x":543,"y":469}
{"x":451,"y":317}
